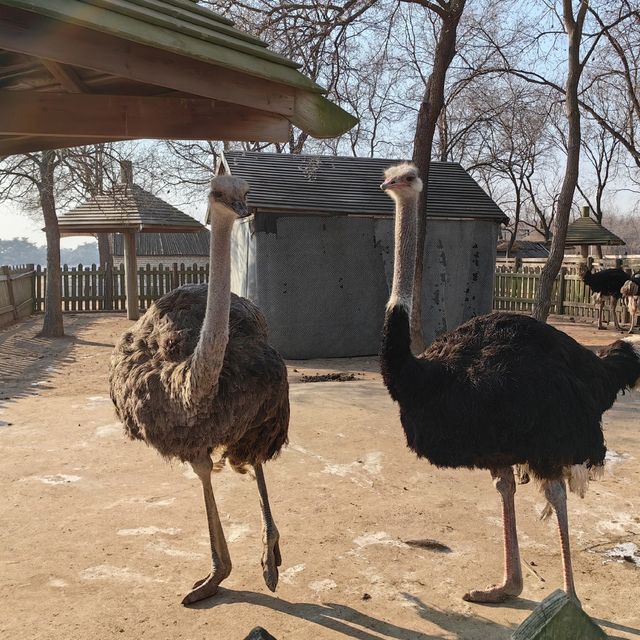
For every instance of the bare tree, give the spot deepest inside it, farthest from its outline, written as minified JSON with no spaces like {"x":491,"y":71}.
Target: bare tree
{"x":31,"y":179}
{"x":449,"y":13}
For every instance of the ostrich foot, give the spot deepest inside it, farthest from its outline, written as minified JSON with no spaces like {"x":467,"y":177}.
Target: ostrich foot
{"x":206,"y":587}
{"x":493,"y":594}
{"x":271,"y":560}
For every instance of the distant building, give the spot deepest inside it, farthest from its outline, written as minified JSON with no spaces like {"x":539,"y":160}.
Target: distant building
{"x":166,"y":248}
{"x":523,"y":249}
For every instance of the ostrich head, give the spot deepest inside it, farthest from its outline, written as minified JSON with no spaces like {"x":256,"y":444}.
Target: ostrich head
{"x":402,"y":181}
{"x":228,"y":198}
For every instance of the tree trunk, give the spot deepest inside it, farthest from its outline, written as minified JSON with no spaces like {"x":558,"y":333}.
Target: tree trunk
{"x":52,"y":327}
{"x":542,"y":305}
{"x":428,"y":115}
{"x":106,"y":264}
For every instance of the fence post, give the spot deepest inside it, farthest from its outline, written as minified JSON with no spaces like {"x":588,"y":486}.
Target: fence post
{"x":12,"y":301}
{"x":562,"y":290}
{"x":31,"y":267}
{"x":175,"y":280}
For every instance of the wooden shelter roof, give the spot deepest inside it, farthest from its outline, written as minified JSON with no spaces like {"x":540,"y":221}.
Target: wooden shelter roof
{"x":334,"y":185}
{"x":128,"y":207}
{"x":78,"y":72}
{"x":586,"y":231}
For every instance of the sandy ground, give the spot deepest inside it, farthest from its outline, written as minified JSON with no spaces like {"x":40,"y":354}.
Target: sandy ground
{"x":100,"y":538}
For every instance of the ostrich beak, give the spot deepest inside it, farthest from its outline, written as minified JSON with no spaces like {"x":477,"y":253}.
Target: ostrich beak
{"x":387,"y":184}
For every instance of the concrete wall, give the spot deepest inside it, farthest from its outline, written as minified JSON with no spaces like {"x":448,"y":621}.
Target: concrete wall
{"x":323,"y":282}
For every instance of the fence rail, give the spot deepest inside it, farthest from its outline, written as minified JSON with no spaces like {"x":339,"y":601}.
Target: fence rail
{"x":92,"y":288}
{"x":16,"y":293}
{"x":516,"y":284}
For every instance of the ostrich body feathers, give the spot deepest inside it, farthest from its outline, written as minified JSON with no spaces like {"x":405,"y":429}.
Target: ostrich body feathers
{"x":246,"y":416}
{"x":504,"y":389}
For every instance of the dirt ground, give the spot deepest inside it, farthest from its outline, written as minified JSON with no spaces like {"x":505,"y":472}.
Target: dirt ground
{"x":100,"y":538}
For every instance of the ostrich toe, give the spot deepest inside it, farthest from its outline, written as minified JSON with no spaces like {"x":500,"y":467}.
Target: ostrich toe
{"x":271,"y":560}
{"x":493,"y":594}
{"x":205,"y":588}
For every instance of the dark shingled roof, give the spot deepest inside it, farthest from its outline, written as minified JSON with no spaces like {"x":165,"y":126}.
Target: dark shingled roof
{"x":166,"y":244}
{"x":524,"y":249}
{"x":126,"y":207}
{"x":587,"y":231}
{"x":345,"y":185}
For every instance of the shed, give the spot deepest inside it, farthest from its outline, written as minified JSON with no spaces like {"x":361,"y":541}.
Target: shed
{"x":317,"y":253}
{"x":523,"y":249}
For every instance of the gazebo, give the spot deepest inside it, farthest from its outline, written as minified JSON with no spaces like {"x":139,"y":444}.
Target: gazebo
{"x":586,"y":232}
{"x":128,"y":209}
{"x":76,"y":72}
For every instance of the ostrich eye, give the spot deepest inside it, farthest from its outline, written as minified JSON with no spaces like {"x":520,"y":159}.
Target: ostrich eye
{"x":217,"y":194}
{"x":410,"y":178}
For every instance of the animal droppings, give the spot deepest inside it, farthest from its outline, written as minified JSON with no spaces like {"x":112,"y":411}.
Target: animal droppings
{"x":429,"y":545}
{"x":336,"y":376}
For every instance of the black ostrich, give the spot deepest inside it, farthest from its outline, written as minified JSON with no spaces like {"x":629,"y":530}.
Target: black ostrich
{"x":498,"y":391}
{"x":605,"y":284}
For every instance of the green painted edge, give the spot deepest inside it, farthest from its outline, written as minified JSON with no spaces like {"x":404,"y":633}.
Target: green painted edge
{"x":213,"y":20}
{"x":122,"y":26}
{"x":319,"y":117}
{"x":213,"y":33}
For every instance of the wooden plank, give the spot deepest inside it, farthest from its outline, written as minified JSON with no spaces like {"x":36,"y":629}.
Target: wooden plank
{"x":78,"y":46}
{"x":128,"y":117}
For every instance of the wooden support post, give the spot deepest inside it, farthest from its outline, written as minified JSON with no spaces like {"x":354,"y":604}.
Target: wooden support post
{"x":12,"y":301}
{"x":131,"y":274}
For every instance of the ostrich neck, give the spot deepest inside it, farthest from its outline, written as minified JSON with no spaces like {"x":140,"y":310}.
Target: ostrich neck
{"x":208,"y":356}
{"x":404,"y":263}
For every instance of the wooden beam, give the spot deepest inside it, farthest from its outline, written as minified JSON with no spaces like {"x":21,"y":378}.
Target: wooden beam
{"x":80,"y":47}
{"x":25,"y":144}
{"x":39,"y":113}
{"x":65,"y":76}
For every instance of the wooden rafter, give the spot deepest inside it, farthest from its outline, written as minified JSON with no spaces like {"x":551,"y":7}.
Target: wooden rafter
{"x":77,"y":116}
{"x":78,"y":46}
{"x":65,"y":76}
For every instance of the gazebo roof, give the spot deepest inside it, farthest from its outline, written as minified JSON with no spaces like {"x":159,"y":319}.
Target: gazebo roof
{"x":76,"y":72}
{"x":128,"y":207}
{"x":586,"y":231}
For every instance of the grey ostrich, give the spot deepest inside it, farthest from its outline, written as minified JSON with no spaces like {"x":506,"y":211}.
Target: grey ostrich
{"x":196,"y":375}
{"x":498,"y":391}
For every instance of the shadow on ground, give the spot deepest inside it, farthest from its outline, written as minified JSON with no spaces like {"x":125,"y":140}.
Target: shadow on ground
{"x":28,"y":362}
{"x":351,"y":623}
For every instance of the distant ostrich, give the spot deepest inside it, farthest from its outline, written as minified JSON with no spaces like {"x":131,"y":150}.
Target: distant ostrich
{"x":605,"y":284}
{"x":630,"y":292}
{"x":498,"y":391}
{"x":195,"y":376}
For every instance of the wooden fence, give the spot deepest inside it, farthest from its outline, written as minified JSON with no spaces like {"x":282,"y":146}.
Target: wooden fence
{"x":91,"y":288}
{"x":16,"y":293}
{"x":516,"y":285}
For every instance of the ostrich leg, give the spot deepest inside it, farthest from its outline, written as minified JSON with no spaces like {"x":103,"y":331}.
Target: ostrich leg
{"x":271,"y":558}
{"x":556,"y":493}
{"x":600,"y":311}
{"x":614,"y":305}
{"x":220,"y":559}
{"x":505,"y":483}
